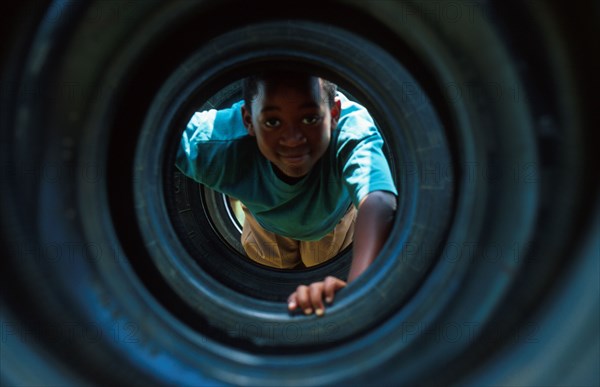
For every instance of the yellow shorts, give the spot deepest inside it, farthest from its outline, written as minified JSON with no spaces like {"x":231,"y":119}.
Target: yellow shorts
{"x":274,"y":250}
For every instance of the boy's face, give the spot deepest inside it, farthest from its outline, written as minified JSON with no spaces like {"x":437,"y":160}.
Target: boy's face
{"x":292,"y":122}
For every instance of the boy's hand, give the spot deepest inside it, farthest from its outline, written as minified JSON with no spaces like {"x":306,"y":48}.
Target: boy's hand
{"x":310,"y":298}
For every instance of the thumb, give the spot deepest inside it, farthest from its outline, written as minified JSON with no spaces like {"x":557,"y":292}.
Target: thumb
{"x":332,"y":285}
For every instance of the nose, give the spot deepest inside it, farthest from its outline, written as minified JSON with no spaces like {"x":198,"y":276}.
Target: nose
{"x":292,"y":136}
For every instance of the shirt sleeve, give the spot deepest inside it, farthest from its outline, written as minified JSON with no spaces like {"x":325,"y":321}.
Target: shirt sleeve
{"x":198,"y":130}
{"x":363,"y":164}
{"x":204,"y":152}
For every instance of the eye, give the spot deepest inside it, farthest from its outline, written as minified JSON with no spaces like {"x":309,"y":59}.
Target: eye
{"x":311,"y":120}
{"x":272,"y":122}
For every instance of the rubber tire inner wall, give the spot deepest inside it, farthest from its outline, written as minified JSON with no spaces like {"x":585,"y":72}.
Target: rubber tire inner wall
{"x":487,"y":272}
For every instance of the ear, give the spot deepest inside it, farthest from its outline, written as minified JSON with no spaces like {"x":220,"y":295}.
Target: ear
{"x":247,"y":120}
{"x":336,"y":111}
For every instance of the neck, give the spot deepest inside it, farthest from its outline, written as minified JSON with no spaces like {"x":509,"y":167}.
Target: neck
{"x":285,"y":178}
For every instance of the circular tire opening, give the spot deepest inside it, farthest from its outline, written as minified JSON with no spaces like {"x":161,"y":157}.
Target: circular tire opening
{"x":409,"y":141}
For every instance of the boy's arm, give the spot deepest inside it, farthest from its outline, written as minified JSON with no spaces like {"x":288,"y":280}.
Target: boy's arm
{"x":373,"y":224}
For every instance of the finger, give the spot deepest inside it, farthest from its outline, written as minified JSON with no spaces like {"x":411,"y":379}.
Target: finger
{"x":332,"y":285}
{"x":303,"y":299}
{"x":292,"y":302}
{"x":316,"y":298}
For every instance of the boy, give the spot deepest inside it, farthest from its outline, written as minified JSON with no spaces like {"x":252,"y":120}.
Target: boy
{"x":301,"y":159}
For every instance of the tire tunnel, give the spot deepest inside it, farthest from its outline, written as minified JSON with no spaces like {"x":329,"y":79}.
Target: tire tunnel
{"x":118,"y":270}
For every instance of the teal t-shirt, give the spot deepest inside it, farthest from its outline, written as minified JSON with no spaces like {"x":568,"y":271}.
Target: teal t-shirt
{"x":217,"y":151}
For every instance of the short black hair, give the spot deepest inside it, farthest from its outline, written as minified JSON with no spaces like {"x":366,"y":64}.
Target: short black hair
{"x":250,"y":85}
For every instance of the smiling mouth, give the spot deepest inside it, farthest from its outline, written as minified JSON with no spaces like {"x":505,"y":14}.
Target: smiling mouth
{"x":294,"y":159}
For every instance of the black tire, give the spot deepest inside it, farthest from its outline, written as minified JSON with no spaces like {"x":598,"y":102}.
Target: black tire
{"x":490,"y":276}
